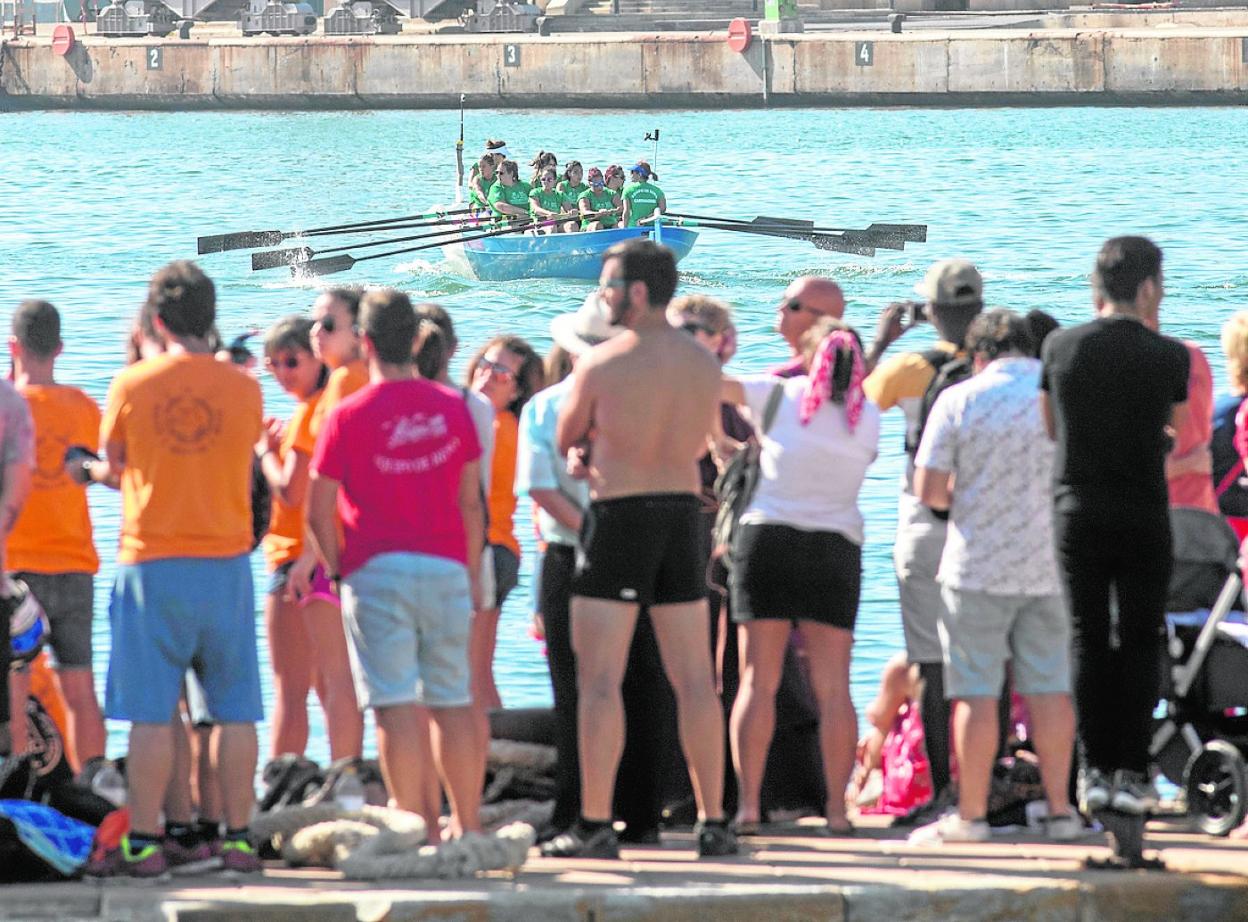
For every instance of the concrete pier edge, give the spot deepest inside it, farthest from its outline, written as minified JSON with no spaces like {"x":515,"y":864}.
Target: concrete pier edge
{"x":1182,"y":64}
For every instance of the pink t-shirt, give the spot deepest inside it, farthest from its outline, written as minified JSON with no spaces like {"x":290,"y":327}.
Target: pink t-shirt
{"x":398,"y":449}
{"x":1195,"y":490}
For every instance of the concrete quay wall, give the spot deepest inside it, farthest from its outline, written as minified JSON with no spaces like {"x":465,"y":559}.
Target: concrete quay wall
{"x":1176,"y":65}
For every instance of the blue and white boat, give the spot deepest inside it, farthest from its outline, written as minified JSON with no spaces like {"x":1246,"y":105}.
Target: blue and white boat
{"x":559,"y":256}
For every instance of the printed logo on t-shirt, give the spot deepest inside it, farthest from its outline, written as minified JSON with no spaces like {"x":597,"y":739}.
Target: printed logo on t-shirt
{"x":415,"y":428}
{"x":49,"y":471}
{"x":628,"y":595}
{"x":187,"y":423}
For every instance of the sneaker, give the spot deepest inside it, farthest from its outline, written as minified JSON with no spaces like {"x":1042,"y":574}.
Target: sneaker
{"x":573,"y":844}
{"x":951,"y":828}
{"x":239,"y":855}
{"x":1133,"y":793}
{"x":933,"y":810}
{"x":715,"y":840}
{"x":148,"y":861}
{"x":1095,"y":791}
{"x":1066,"y":827}
{"x":178,"y":854}
{"x":647,"y":836}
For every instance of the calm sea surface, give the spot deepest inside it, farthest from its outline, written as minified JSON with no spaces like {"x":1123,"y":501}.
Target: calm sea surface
{"x":91,"y":204}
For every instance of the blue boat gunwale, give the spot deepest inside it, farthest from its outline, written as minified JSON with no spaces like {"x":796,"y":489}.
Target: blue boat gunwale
{"x":577,"y":255}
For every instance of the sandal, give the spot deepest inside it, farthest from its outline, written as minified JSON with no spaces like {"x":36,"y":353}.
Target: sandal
{"x":745,"y":827}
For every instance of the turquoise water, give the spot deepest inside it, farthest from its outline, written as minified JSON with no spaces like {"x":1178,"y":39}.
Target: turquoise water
{"x":91,"y":204}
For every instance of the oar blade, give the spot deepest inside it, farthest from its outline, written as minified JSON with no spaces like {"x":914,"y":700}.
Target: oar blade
{"x":839,"y":244}
{"x":911,"y":233}
{"x":876,"y":239}
{"x":326,"y":265}
{"x":243,"y":240}
{"x":273,"y":259}
{"x":784,"y":222}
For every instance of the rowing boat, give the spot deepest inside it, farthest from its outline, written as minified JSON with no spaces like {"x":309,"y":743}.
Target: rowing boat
{"x":567,"y":256}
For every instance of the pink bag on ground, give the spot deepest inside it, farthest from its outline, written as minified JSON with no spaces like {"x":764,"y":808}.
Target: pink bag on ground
{"x":907,"y":774}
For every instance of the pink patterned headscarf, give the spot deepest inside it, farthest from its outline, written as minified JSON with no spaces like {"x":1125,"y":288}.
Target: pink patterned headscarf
{"x":819,"y":387}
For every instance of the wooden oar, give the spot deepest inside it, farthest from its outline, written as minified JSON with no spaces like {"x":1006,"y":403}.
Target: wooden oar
{"x":840,"y":243}
{"x":331,"y":264}
{"x":272,"y":259}
{"x":909,"y":233}
{"x":245,"y":240}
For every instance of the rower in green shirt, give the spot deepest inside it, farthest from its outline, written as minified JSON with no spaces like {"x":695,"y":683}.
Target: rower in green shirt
{"x":597,"y":204}
{"x":546,"y":203}
{"x":509,"y":199}
{"x":571,"y":187}
{"x":642,"y":198}
{"x":480,"y":180}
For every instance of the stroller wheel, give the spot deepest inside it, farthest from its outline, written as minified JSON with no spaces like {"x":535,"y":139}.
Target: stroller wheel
{"x":1216,"y":780}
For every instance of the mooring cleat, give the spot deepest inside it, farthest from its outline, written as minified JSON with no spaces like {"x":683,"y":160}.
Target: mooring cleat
{"x":1126,"y":838}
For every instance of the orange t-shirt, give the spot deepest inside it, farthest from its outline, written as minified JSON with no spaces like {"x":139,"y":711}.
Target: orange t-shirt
{"x":186,"y":426}
{"x":502,"y":499}
{"x":53,"y":533}
{"x":344,"y":382}
{"x":284,"y":542}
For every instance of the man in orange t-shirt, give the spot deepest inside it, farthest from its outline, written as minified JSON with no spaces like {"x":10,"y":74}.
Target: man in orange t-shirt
{"x":179,"y":430}
{"x":51,"y":547}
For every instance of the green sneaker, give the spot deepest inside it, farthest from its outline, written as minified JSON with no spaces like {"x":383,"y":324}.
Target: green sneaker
{"x":239,"y":855}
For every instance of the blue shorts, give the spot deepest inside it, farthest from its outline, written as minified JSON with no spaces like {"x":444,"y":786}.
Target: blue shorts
{"x":407,"y":617}
{"x":182,"y":613}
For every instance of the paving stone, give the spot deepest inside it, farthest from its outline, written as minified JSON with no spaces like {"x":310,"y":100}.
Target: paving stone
{"x":1041,"y":903}
{"x":1163,"y":896}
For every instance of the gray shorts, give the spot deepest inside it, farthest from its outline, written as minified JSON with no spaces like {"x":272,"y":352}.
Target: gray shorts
{"x":69,"y":600}
{"x":916,"y":557}
{"x":407,"y":618}
{"x":982,"y":631}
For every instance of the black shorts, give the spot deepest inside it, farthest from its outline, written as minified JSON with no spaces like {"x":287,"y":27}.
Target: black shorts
{"x":788,"y":573}
{"x":645,"y":549}
{"x":506,"y":573}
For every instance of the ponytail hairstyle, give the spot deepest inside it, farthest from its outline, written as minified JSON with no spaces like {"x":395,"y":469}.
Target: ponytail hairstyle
{"x":567,"y":171}
{"x":835,"y":370}
{"x":487,"y":160}
{"x":435,"y":341}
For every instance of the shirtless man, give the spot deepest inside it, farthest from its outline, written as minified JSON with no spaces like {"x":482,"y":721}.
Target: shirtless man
{"x":644,"y":402}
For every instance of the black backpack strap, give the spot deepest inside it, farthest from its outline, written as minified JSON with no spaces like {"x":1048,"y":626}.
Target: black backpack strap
{"x":772,"y":406}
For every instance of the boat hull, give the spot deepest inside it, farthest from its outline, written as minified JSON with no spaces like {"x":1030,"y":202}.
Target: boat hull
{"x":558,"y":256}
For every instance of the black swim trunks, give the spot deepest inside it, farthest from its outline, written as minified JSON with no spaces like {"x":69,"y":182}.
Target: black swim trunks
{"x":644,"y":549}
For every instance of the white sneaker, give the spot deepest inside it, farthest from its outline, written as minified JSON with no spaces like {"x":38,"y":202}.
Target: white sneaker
{"x":1133,"y":793}
{"x":1067,"y":827}
{"x":951,"y":828}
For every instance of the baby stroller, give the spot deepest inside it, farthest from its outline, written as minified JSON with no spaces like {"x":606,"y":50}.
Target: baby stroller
{"x":1200,"y":741}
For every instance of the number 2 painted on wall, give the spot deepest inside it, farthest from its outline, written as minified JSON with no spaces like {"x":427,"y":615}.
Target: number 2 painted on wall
{"x":155,"y":57}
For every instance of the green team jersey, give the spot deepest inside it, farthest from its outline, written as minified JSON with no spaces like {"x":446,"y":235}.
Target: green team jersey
{"x":516,"y":194}
{"x":571,"y":193}
{"x":644,"y":197}
{"x":599,"y":201}
{"x":475,"y":200}
{"x":551,"y":201}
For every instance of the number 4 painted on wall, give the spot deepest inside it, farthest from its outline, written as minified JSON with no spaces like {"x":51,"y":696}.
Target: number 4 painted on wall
{"x":864,"y":54}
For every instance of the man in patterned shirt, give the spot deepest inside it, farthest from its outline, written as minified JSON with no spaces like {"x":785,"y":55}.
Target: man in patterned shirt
{"x":986,"y":458}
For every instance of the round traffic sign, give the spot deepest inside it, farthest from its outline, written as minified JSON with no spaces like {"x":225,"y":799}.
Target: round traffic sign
{"x":739,"y":35}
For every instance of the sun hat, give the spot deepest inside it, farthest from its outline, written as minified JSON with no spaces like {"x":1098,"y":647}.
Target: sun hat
{"x":952,"y":283}
{"x":585,"y":327}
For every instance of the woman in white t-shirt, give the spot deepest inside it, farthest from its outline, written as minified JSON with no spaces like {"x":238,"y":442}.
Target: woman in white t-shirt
{"x":797,"y":557}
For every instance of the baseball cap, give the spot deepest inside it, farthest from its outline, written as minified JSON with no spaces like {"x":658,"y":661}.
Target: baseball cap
{"x":952,"y":283}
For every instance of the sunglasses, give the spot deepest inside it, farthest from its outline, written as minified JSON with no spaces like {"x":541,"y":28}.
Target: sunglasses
{"x":794,"y":305}
{"x":692,"y":327}
{"x":290,"y":362}
{"x":496,"y":368}
{"x":328,"y":323}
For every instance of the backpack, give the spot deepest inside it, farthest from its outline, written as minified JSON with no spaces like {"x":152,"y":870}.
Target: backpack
{"x":950,"y":370}
{"x":735,"y":487}
{"x":1228,"y":466}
